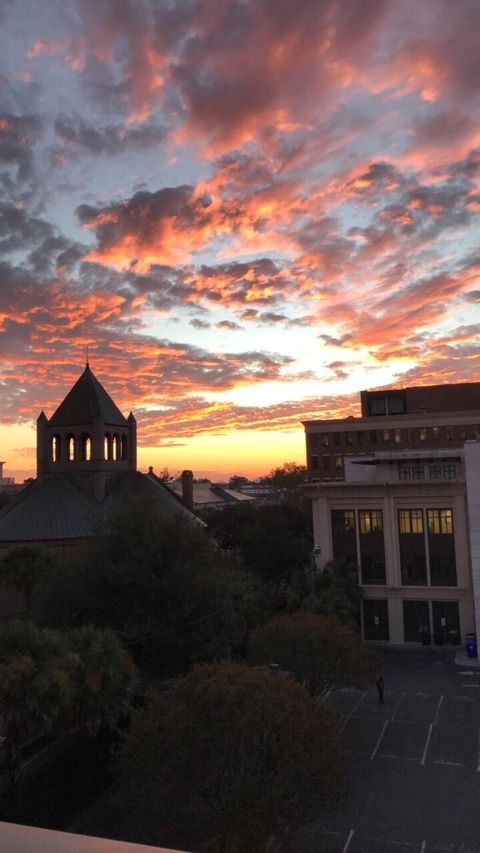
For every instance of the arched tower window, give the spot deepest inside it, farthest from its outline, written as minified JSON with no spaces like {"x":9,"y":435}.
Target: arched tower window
{"x":55,"y":448}
{"x":115,"y":447}
{"x":71,"y":448}
{"x":123,"y":446}
{"x":86,"y":448}
{"x":107,"y":446}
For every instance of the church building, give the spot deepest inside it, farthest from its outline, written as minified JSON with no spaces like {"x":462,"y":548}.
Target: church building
{"x":86,"y":470}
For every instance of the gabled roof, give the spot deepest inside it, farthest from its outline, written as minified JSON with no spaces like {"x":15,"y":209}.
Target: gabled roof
{"x":85,"y":401}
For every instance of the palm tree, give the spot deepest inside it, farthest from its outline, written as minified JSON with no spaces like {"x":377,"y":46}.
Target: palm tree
{"x":23,"y":567}
{"x":34,"y":685}
{"x":101,"y":673}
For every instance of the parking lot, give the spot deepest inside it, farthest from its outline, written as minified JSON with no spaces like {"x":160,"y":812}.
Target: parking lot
{"x":414,"y":763}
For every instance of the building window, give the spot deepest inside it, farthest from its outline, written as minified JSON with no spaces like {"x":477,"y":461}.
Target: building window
{"x":375,"y":619}
{"x":416,"y":621}
{"x":449,"y":471}
{"x":71,"y":448}
{"x":56,"y":444}
{"x":123,"y":446}
{"x":410,"y":521}
{"x":343,"y":536}
{"x":373,"y":436}
{"x":423,"y":433}
{"x":411,"y":472}
{"x":389,"y":404}
{"x":372,"y":548}
{"x":326,"y":463}
{"x":337,"y":439}
{"x":448,"y":433}
{"x":313,"y":441}
{"x":413,"y":561}
{"x":398,"y":436}
{"x":115,"y":448}
{"x":314,"y":463}
{"x":446,"y":622}
{"x":440,"y":522}
{"x":386,"y":435}
{"x":435,"y":472}
{"x":343,"y":521}
{"x":463,"y":434}
{"x":441,"y":547}
{"x":338,"y":462}
{"x":85,"y":448}
{"x":349,"y":437}
{"x":324,"y":439}
{"x":370,"y":521}
{"x":361,"y":436}
{"x":410,"y":435}
{"x":436,"y":432}
{"x":107,"y":446}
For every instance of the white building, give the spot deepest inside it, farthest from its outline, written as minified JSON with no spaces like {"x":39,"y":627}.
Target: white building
{"x":404,"y":510}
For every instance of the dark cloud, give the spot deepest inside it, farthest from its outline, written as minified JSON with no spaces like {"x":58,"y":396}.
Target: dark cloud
{"x":110,"y":140}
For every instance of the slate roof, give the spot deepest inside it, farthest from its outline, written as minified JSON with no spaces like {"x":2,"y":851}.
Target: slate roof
{"x":54,"y":509}
{"x":59,"y":509}
{"x":85,"y":401}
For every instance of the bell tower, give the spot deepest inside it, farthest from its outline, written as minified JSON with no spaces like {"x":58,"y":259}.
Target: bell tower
{"x":87,"y":436}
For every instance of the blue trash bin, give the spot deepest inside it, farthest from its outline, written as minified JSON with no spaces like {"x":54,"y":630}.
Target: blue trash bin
{"x":471,"y":645}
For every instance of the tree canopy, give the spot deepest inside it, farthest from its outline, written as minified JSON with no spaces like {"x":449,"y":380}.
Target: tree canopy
{"x":162,"y":584}
{"x":319,"y":650}
{"x":286,"y":476}
{"x":24,"y":567}
{"x":230,"y":756}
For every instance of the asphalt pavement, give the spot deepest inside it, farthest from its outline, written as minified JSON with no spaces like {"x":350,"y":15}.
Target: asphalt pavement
{"x":413,"y":762}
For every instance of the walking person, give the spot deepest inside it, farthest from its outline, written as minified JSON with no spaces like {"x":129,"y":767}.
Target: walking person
{"x":380,"y":684}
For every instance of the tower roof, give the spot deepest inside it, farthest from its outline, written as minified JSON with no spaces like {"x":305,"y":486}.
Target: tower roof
{"x":85,"y":401}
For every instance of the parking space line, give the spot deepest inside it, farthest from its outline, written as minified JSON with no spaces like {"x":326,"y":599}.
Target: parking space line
{"x":375,"y":750}
{"x":346,"y":720}
{"x":430,"y":729}
{"x":348,"y":841}
{"x":471,"y":685}
{"x":435,"y":719}
{"x":423,"y":847}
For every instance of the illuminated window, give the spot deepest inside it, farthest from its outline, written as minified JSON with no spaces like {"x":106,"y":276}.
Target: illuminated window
{"x":86,"y":448}
{"x":115,"y":448}
{"x":440,"y":521}
{"x":436,"y":432}
{"x":398,"y":436}
{"x":386,"y":435}
{"x":56,"y":448}
{"x":343,"y":521}
{"x":338,"y":462}
{"x":410,"y":521}
{"x":370,"y":521}
{"x":324,"y":439}
{"x":423,"y":433}
{"x":71,"y":448}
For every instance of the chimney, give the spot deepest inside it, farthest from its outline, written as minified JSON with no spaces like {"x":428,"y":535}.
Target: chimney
{"x":187,"y":489}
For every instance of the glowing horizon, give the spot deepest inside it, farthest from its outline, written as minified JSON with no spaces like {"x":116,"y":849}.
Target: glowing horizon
{"x":247,"y":211}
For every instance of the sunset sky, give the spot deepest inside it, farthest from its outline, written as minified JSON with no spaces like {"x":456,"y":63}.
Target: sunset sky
{"x":248,"y":210}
